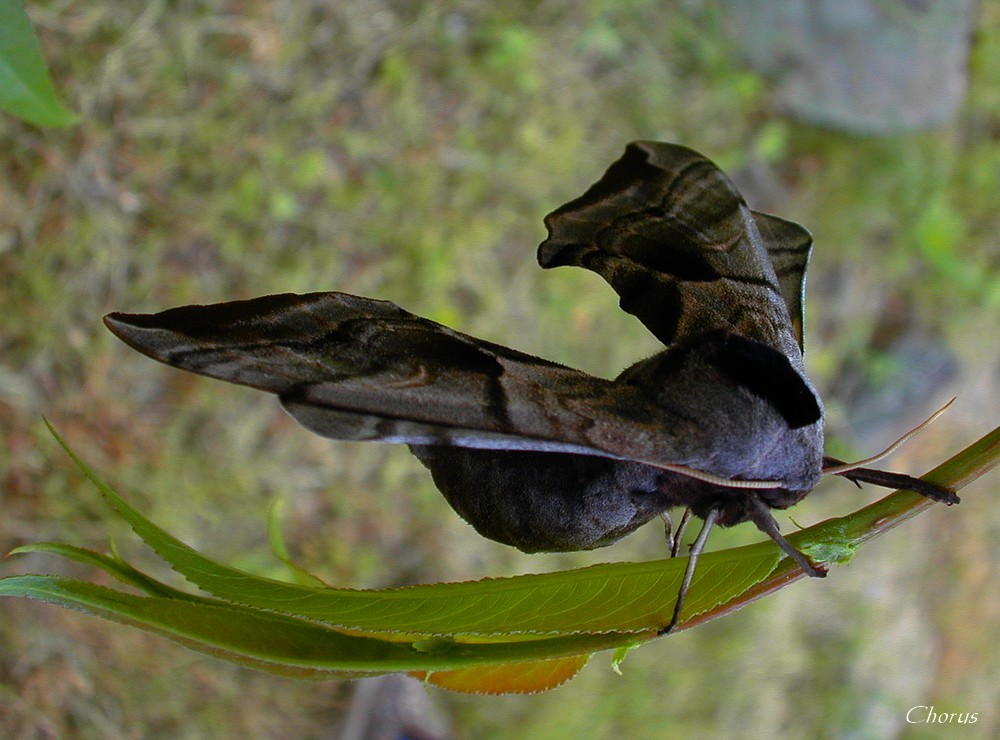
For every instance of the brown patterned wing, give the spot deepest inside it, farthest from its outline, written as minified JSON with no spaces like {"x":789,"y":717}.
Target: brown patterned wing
{"x":357,"y":368}
{"x":673,"y":236}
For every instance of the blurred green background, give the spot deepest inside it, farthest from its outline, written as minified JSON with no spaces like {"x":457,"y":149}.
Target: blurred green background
{"x":408,"y":151}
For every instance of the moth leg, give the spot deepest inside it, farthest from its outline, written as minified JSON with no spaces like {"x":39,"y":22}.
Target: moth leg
{"x":885,"y":479}
{"x":675,"y":544}
{"x":760,"y":515}
{"x":668,"y":530}
{"x":674,"y":538}
{"x":696,"y":549}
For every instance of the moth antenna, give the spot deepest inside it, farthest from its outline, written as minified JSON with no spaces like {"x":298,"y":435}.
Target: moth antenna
{"x":717,"y":480}
{"x":848,"y":467}
{"x":696,"y":549}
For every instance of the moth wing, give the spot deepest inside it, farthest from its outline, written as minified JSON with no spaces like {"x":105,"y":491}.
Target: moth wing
{"x":356,"y":368}
{"x":788,"y":248}
{"x":675,"y":239}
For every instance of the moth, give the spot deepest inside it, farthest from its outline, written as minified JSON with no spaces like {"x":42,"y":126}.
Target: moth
{"x":534,"y":454}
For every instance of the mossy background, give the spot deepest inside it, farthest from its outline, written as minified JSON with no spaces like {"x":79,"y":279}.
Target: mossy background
{"x":408,"y":151}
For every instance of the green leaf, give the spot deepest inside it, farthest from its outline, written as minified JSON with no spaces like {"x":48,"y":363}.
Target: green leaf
{"x":615,"y":597}
{"x":527,"y":633}
{"x":267,"y":640}
{"x":110,"y":565}
{"x":26,"y":90}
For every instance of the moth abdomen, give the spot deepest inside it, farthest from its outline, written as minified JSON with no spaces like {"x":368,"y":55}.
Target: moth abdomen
{"x":545,"y":502}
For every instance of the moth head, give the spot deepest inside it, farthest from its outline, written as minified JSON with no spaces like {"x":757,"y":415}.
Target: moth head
{"x":733,"y":505}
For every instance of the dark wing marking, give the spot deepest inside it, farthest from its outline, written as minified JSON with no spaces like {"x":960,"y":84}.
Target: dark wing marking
{"x":769,"y":375}
{"x":752,"y":366}
{"x":788,"y":247}
{"x":356,"y":368}
{"x":674,"y":237}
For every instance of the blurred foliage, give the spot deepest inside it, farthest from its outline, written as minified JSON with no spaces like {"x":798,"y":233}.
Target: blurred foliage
{"x":409,"y":151}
